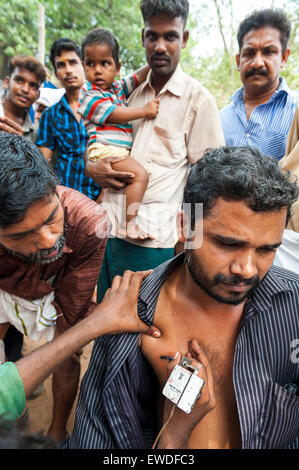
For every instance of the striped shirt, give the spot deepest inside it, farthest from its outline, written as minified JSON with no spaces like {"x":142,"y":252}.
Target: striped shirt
{"x":268,"y":126}
{"x":96,"y":105}
{"x":117,"y":402}
{"x":60,"y":131}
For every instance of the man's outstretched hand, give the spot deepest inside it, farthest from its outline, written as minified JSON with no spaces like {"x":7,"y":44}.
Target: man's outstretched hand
{"x":117,"y":313}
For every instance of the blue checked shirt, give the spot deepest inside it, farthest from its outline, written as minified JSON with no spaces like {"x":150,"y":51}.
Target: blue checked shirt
{"x":268,"y":126}
{"x":60,"y":131}
{"x":118,"y":395}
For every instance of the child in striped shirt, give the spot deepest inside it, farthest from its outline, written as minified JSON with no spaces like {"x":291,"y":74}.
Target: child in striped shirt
{"x":103,"y":106}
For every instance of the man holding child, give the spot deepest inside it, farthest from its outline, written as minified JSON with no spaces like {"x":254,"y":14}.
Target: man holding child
{"x":186,"y":125}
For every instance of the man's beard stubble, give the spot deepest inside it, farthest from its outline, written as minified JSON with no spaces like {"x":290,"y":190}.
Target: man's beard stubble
{"x":41,"y":256}
{"x":207,"y":285}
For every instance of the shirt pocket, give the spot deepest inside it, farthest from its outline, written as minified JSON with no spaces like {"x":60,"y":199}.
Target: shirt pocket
{"x":278,"y":425}
{"x":169,"y":149}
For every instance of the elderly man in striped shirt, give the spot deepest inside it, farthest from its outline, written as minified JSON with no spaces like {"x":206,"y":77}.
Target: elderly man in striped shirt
{"x":261,"y":112}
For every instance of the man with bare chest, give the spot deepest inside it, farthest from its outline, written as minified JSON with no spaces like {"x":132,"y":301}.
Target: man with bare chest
{"x":222,"y":295}
{"x":217,"y":336}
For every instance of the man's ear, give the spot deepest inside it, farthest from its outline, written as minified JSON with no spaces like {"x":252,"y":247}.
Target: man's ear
{"x":182,"y":226}
{"x":6,"y":81}
{"x":142,"y":37}
{"x":238,"y":61}
{"x":285,"y":57}
{"x":185,"y":38}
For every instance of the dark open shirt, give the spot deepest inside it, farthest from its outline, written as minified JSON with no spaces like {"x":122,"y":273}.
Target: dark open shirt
{"x":59,"y":130}
{"x":73,"y":276}
{"x":116,"y":407}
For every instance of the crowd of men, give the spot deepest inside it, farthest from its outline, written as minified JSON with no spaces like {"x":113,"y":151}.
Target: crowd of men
{"x":218,"y":285}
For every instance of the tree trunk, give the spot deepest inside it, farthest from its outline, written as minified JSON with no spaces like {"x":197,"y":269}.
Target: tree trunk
{"x":41,"y":34}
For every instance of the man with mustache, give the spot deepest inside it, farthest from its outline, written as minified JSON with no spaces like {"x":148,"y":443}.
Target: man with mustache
{"x":61,"y":130}
{"x":221,"y":301}
{"x":187,"y":124}
{"x":52,"y":241}
{"x":261,"y":112}
{"x":26,"y":75}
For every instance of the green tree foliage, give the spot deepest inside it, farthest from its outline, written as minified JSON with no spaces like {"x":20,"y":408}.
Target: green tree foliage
{"x":72,"y":19}
{"x":209,"y":19}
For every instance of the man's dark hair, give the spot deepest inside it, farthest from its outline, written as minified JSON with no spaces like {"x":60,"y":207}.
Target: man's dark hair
{"x":63,"y":44}
{"x":269,"y":17}
{"x":239,"y":174}
{"x":171,"y":8}
{"x":102,"y":36}
{"x":25,"y":178}
{"x":11,"y":437}
{"x":28,"y":63}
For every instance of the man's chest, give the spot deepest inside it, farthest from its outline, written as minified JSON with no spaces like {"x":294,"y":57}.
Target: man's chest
{"x":177,"y":335}
{"x":220,"y":428}
{"x":68,"y":132}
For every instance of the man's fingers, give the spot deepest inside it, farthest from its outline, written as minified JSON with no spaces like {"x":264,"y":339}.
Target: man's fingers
{"x":153,"y":331}
{"x":8,"y":125}
{"x":102,"y":172}
{"x":206,"y":371}
{"x":130,"y":280}
{"x":10,"y":130}
{"x":116,"y":282}
{"x":110,"y":160}
{"x":171,"y":361}
{"x":114,"y":183}
{"x":121,"y":175}
{"x":197,"y":352}
{"x":136,"y":280}
{"x":125,"y":280}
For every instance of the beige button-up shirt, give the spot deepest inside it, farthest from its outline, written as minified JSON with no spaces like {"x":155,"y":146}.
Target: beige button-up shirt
{"x":186,"y":125}
{"x":290,"y":162}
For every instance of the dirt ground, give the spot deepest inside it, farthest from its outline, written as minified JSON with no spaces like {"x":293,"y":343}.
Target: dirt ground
{"x":40,"y":408}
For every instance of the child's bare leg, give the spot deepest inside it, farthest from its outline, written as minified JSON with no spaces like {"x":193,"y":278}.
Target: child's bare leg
{"x":134,"y":195}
